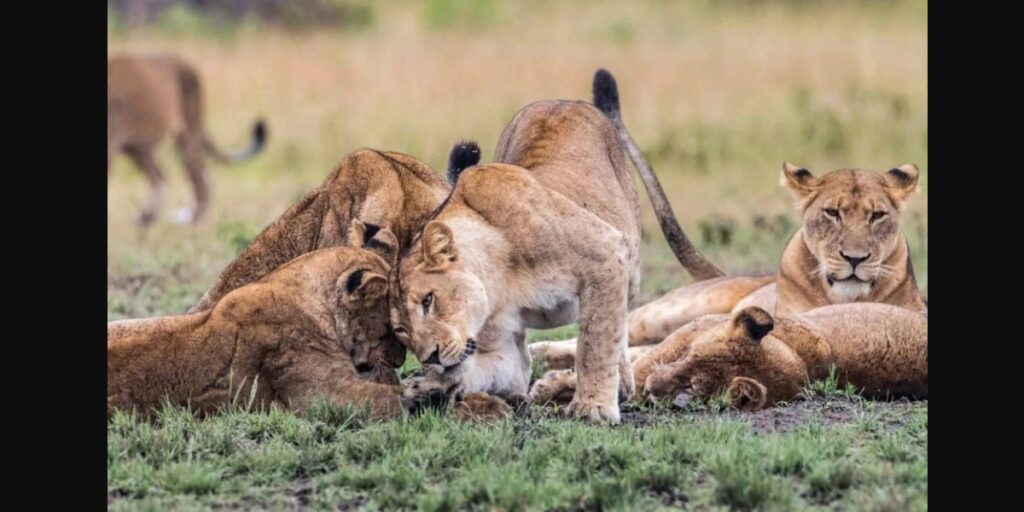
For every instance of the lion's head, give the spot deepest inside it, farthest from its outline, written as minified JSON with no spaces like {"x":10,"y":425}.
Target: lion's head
{"x":362,"y":318}
{"x":437,"y":306}
{"x":737,"y":356}
{"x":851,"y":223}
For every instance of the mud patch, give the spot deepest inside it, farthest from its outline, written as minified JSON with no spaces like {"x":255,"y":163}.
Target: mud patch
{"x":828,"y":412}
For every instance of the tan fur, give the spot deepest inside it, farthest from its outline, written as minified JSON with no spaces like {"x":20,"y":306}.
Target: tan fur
{"x":880,"y":349}
{"x":297,"y":333}
{"x":651,"y":323}
{"x":548,"y":235}
{"x":802,"y":281}
{"x":150,"y":98}
{"x":818,"y":253}
{"x":481,"y":408}
{"x":382,"y":188}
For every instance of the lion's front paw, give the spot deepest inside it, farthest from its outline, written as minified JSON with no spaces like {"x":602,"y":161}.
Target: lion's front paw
{"x":557,"y":386}
{"x":425,"y":392}
{"x":594,"y":411}
{"x":481,"y":408}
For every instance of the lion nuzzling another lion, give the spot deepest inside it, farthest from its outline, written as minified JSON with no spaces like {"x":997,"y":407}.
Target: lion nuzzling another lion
{"x":384,"y":189}
{"x":548,"y":234}
{"x":308,"y":329}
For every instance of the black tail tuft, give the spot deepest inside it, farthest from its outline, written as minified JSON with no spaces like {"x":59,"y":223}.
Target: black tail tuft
{"x":259,"y":133}
{"x":606,"y":93}
{"x":464,"y":154}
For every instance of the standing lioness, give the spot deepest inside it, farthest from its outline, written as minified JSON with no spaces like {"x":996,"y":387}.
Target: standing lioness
{"x":155,"y":96}
{"x":548,"y":234}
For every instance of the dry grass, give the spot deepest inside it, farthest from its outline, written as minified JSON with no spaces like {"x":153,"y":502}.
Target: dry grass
{"x":717,"y":94}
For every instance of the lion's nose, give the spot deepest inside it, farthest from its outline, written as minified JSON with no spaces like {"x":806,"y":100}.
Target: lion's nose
{"x":435,"y":357}
{"x":854,"y":258}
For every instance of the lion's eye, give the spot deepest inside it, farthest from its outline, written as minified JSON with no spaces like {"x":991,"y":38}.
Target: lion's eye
{"x":878,"y":215}
{"x":832,"y":212}
{"x":427,"y":301}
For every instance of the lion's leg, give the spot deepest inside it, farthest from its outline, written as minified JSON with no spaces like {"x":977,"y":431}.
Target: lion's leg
{"x":601,"y":346}
{"x":655,"y":320}
{"x":556,"y":386}
{"x":626,"y":385}
{"x":670,"y":350}
{"x":143,"y":158}
{"x":301,"y":374}
{"x":504,"y":370}
{"x":554,"y":355}
{"x":190,"y":150}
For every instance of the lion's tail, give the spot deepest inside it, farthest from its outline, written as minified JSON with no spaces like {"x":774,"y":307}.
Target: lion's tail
{"x":193,"y":105}
{"x":606,"y":98}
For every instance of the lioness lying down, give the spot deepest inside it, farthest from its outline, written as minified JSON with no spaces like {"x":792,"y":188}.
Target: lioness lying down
{"x":850,"y":248}
{"x":880,"y":349}
{"x":306,"y":329}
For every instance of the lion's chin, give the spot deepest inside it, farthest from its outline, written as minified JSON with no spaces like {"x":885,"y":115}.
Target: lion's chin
{"x":849,"y":289}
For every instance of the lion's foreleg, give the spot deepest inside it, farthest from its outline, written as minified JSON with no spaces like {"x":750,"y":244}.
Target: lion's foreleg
{"x":601,"y":347}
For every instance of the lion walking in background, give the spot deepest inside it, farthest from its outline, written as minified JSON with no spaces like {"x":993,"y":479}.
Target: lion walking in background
{"x":150,"y":98}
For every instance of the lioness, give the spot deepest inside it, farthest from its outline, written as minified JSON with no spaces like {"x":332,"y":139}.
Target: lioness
{"x":849,"y":249}
{"x":760,"y":361}
{"x":151,"y":97}
{"x":548,"y":234}
{"x":309,"y":328}
{"x":386,"y":190}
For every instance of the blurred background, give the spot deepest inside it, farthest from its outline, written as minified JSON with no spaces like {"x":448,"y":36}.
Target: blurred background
{"x":717,"y":93}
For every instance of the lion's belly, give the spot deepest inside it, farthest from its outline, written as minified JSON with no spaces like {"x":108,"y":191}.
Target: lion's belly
{"x":564,"y":312}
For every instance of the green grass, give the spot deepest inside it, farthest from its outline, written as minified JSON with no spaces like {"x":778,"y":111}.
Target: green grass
{"x":332,"y":457}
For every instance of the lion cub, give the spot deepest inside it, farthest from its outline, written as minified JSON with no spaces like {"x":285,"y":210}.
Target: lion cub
{"x":309,"y":328}
{"x":760,"y":361}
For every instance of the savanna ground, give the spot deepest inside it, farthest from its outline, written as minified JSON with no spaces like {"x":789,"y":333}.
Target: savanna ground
{"x":718,"y":94}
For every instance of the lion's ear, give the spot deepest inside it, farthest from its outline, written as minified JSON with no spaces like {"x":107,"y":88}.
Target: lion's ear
{"x":746,"y":394}
{"x":357,"y":233}
{"x":374,"y":238}
{"x":438,"y":246}
{"x":901,"y":182}
{"x":751,"y":324}
{"x":799,"y":181}
{"x":363,"y":285}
